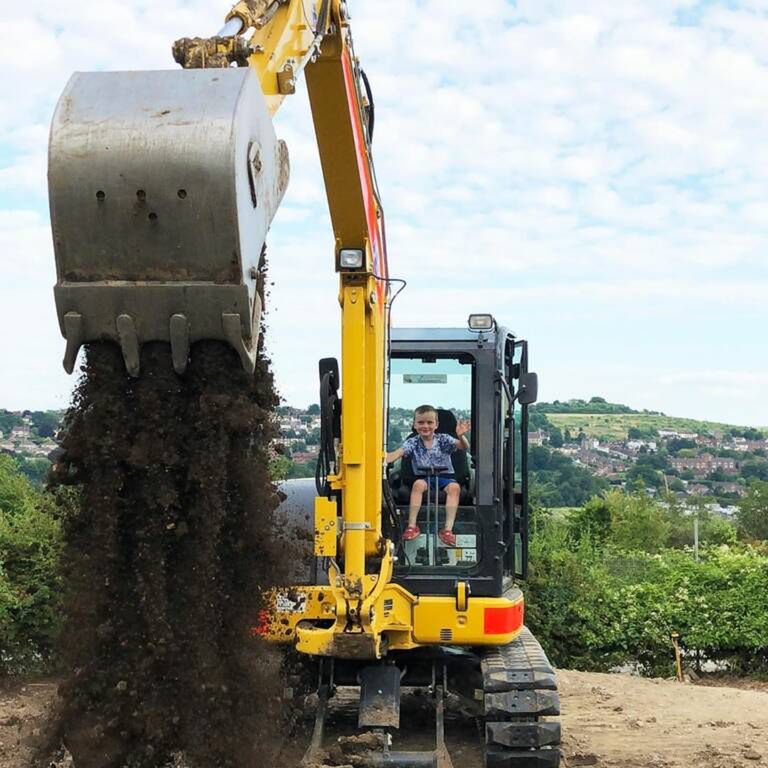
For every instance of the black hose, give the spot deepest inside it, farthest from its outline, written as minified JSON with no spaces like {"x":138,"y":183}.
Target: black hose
{"x":371,"y":108}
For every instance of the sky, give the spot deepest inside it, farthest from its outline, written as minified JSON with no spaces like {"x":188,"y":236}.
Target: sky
{"x":593,"y":173}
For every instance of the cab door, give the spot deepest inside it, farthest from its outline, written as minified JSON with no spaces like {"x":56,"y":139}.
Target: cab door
{"x":515,"y":459}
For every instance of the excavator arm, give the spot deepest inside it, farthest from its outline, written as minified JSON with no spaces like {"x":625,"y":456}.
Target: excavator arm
{"x":163,"y":186}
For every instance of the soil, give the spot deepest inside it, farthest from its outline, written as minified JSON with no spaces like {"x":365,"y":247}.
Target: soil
{"x":614,"y":721}
{"x":166,"y":558}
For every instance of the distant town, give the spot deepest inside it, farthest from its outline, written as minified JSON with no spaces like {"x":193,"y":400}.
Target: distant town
{"x":577,"y":449}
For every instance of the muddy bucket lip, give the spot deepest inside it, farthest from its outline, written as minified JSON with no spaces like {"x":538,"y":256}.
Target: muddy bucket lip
{"x":133,"y":314}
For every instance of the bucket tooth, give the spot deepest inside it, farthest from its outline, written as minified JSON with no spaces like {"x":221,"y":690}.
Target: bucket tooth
{"x":179,"y":334}
{"x":129,"y":343}
{"x":233,"y":332}
{"x":73,"y":332}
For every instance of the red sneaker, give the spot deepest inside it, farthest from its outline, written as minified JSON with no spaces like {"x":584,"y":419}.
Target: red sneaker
{"x":447,"y":537}
{"x":411,"y":532}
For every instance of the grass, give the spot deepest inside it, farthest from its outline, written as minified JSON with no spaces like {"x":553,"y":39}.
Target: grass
{"x":614,"y":426}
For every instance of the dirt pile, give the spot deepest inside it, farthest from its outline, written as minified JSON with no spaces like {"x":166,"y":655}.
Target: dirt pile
{"x":166,"y":559}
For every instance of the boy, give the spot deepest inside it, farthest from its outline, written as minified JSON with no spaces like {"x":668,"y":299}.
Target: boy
{"x":431,"y":450}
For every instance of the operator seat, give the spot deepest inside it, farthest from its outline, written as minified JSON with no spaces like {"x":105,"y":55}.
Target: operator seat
{"x":446,"y":421}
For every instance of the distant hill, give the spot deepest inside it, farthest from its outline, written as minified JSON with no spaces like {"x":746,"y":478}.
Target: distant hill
{"x":594,"y":405}
{"x":612,"y":421}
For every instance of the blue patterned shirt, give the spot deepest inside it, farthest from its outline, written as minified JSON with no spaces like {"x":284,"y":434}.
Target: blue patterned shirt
{"x":438,"y":456}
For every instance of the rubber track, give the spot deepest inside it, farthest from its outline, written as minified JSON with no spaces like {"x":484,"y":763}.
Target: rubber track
{"x":519,"y":689}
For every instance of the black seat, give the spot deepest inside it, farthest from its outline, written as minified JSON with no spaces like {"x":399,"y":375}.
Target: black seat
{"x":446,"y":424}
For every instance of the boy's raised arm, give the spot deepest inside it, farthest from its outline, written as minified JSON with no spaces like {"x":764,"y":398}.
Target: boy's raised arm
{"x":462,"y":444}
{"x":394,"y":455}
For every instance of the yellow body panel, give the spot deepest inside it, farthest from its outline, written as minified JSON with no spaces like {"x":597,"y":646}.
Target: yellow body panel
{"x":402,"y":621}
{"x":325,"y":527}
{"x":281,"y":46}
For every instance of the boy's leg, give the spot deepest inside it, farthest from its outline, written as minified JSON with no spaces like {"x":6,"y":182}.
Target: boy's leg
{"x":452,"y":491}
{"x":417,"y":493}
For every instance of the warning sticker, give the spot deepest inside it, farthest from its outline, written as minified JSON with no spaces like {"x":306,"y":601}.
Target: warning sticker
{"x":293,"y":602}
{"x":425,"y":378}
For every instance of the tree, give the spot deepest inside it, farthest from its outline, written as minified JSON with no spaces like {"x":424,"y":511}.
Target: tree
{"x":46,"y":423}
{"x":8,"y":420}
{"x":757,"y":470}
{"x":645,"y":474}
{"x":641,"y":433}
{"x":678,"y":443}
{"x":555,"y":437}
{"x":17,"y":496}
{"x":558,"y":481}
{"x":35,"y":469}
{"x":279,"y":467}
{"x":314,"y":410}
{"x":592,"y":521}
{"x":29,"y":577}
{"x":752,"y":515}
{"x":637,"y":522}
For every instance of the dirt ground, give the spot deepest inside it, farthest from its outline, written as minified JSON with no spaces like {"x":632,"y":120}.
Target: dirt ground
{"x":615,"y":721}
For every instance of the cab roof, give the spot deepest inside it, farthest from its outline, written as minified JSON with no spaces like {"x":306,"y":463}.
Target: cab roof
{"x":439,"y":334}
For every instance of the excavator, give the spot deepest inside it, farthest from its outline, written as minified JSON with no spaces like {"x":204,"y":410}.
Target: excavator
{"x":163,"y":186}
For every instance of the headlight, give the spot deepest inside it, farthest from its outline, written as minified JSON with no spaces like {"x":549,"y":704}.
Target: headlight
{"x":351,"y":258}
{"x":481,"y":323}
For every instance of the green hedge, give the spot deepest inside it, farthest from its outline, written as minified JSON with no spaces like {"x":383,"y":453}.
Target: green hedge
{"x":598,"y":608}
{"x":30,"y":540}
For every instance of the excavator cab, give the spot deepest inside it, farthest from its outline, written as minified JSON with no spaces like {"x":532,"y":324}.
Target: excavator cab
{"x":479,"y":376}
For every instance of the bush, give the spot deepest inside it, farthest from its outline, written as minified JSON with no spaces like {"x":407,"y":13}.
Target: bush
{"x":752,"y":516}
{"x":595,"y":601}
{"x":29,"y":584}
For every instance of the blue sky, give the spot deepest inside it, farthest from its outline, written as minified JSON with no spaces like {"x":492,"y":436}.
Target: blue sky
{"x":594,"y":173}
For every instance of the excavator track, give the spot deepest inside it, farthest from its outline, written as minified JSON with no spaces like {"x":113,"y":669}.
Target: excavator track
{"x":519,"y":692}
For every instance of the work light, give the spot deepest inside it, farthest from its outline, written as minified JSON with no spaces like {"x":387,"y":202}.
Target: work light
{"x":481,"y":323}
{"x":350,"y":258}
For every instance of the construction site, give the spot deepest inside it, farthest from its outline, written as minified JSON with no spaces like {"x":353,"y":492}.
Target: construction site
{"x":218,"y":615}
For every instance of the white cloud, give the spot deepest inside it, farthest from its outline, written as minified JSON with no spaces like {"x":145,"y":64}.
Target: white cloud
{"x":556,"y":153}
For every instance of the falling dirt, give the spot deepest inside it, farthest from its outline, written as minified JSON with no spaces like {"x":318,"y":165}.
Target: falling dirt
{"x":166,"y":560}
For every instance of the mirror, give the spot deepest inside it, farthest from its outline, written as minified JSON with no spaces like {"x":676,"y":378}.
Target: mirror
{"x":528,"y":389}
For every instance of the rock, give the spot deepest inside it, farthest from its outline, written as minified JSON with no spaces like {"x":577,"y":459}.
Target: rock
{"x":692,"y":676}
{"x":750,"y":754}
{"x":10,"y":720}
{"x":583,"y":759}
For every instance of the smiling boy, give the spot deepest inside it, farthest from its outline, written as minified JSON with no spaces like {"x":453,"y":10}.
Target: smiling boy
{"x":430,"y":453}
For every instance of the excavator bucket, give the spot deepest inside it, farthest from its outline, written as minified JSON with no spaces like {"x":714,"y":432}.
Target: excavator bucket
{"x":162,"y":188}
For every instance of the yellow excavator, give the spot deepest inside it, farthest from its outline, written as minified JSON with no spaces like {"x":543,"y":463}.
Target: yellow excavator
{"x":163,"y":186}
